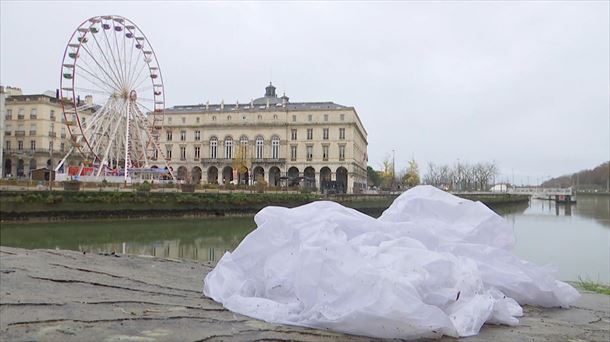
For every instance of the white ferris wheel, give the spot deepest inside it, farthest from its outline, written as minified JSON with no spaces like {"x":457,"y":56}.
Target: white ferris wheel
{"x":113,"y":99}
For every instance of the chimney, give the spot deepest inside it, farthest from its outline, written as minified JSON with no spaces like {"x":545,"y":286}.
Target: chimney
{"x":222,"y":104}
{"x":207,"y":105}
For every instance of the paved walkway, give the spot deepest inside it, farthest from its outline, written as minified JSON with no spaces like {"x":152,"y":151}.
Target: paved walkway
{"x":49,"y":295}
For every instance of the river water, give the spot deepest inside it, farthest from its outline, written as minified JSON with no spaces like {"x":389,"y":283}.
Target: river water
{"x":573,"y":239}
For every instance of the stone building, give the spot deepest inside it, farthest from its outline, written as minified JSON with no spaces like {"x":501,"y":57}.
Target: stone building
{"x":312,"y":144}
{"x":35,"y":134}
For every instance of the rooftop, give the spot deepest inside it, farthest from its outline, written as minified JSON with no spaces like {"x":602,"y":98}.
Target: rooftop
{"x":269,"y":101}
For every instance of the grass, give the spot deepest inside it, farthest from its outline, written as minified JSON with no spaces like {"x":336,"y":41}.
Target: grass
{"x":593,"y":286}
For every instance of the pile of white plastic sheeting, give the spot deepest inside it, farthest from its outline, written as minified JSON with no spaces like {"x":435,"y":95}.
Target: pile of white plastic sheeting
{"x":433,"y":264}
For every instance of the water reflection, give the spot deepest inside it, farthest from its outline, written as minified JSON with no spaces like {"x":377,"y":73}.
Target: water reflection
{"x":573,"y":238}
{"x":197,"y":239}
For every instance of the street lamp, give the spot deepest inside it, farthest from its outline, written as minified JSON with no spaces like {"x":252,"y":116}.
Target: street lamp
{"x":393,"y":170}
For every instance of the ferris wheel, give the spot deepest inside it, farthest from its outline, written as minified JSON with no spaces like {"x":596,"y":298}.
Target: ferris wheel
{"x":112,"y":95}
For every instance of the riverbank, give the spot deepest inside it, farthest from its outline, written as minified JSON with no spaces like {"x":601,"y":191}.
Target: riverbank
{"x":18,"y":206}
{"x":56,"y":295}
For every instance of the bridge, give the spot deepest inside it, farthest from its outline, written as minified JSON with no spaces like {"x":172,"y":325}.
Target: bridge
{"x":561,"y":195}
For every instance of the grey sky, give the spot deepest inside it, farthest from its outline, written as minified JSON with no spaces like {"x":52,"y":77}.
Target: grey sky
{"x":525,"y":84}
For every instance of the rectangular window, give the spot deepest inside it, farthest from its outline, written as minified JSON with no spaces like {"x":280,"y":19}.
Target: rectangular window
{"x":310,"y":134}
{"x":197,"y":119}
{"x":182,"y":153}
{"x":325,"y":152}
{"x":309,"y":152}
{"x":325,"y":117}
{"x":197,"y":152}
{"x":325,"y":133}
{"x":229,"y":149}
{"x":20,"y":114}
{"x":62,"y":147}
{"x":33,"y":113}
{"x":8,"y":145}
{"x":214,"y":149}
{"x":155,"y":155}
{"x":341,"y":152}
{"x":183,"y":135}
{"x":169,"y":135}
{"x":342,"y":133}
{"x":259,"y":148}
{"x":9,"y":114}
{"x":197,"y":135}
{"x":183,"y":119}
{"x":168,"y":152}
{"x":275,"y":149}
{"x":342,"y":117}
{"x":52,"y":115}
{"x":293,"y":134}
{"x":310,"y":118}
{"x":293,"y":152}
{"x":32,"y":145}
{"x":20,"y":145}
{"x":294,"y":118}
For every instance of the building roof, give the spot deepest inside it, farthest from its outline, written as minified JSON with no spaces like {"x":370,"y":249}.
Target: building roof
{"x":255,"y":107}
{"x":30,"y":97}
{"x":268,"y":102}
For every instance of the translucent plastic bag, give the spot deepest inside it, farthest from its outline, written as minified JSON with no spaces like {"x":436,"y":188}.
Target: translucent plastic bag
{"x":433,"y":264}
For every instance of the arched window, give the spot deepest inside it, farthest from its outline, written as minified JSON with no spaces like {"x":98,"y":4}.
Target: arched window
{"x":229,"y":148}
{"x":275,"y":148}
{"x":213,"y":148}
{"x":259,"y":147}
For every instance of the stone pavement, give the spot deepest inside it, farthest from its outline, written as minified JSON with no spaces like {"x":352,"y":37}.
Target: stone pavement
{"x":56,"y":295}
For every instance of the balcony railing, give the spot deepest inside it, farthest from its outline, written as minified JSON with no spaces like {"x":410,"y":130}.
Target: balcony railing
{"x":8,"y":133}
{"x":253,"y":160}
{"x":20,"y":133}
{"x":52,"y":134}
{"x":63,"y":135}
{"x":33,"y":116}
{"x":8,"y":117}
{"x":20,"y":117}
{"x":32,"y":132}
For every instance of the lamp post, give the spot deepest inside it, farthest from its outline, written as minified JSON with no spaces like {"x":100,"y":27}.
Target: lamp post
{"x":393,"y":170}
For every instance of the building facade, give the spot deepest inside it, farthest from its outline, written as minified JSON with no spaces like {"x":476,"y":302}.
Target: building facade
{"x":322,"y":145}
{"x":319,"y":145}
{"x":35,"y":134}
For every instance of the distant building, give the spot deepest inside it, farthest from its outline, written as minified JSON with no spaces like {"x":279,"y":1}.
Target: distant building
{"x":312,"y":144}
{"x":34,"y":133}
{"x":321,"y":145}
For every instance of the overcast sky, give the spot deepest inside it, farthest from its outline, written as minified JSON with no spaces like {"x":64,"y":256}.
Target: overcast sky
{"x":524,"y":84}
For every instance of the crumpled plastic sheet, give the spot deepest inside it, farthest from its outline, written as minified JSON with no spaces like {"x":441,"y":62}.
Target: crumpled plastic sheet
{"x":433,"y":264}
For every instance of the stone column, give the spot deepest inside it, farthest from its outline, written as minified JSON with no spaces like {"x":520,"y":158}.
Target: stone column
{"x":350,"y":183}
{"x":204,"y":175}
{"x":219,"y":176}
{"x":318,"y":180}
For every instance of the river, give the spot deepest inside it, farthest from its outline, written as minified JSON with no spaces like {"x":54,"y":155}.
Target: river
{"x":573,"y":239}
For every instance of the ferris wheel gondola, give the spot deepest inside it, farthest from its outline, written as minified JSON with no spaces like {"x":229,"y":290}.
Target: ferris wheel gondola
{"x":113,"y":98}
